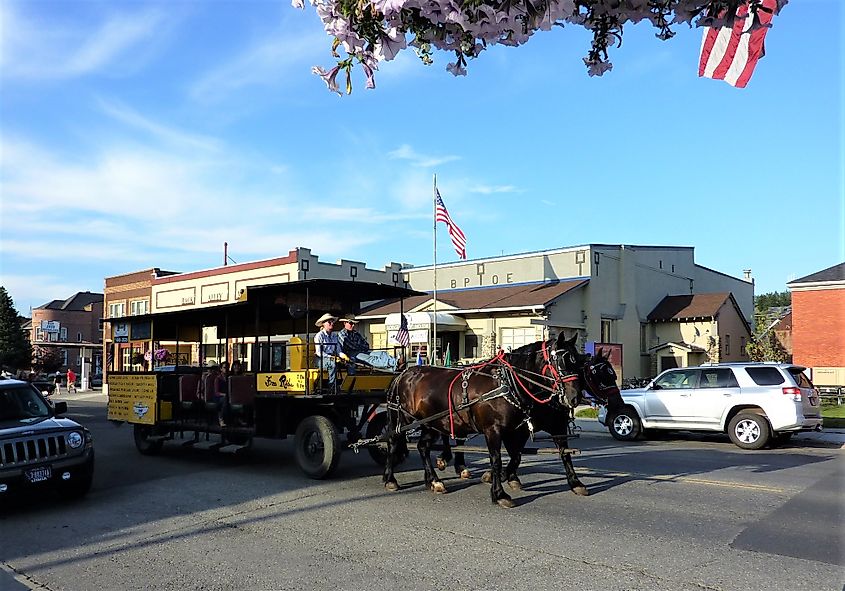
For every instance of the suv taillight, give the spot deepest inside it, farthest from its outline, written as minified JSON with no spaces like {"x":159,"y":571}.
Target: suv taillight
{"x":794,"y":392}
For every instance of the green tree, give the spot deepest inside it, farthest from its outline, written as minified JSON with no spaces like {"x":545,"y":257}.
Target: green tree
{"x":47,"y":360}
{"x":764,"y":301}
{"x":763,"y":304}
{"x":767,"y":347}
{"x":15,"y":350}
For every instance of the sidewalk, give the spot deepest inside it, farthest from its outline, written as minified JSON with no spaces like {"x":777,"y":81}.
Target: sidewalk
{"x":90,"y":394}
{"x":834,"y":437}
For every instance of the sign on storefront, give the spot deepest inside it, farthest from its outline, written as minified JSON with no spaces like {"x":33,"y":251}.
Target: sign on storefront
{"x":121,"y":332}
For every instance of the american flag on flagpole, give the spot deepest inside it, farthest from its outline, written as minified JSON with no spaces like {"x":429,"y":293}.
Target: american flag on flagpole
{"x":403,"y":337}
{"x":459,"y":241}
{"x":731,"y":53}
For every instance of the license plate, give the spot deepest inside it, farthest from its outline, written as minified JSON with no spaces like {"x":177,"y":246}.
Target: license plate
{"x":39,"y":474}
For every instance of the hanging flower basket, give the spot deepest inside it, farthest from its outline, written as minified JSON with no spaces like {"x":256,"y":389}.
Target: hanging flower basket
{"x":370,"y":32}
{"x":138,"y":358}
{"x":161,"y":356}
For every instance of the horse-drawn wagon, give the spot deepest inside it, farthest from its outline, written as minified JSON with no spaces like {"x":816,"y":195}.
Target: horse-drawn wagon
{"x":284,"y":393}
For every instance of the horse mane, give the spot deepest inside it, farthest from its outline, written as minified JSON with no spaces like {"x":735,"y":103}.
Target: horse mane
{"x":526,"y":353}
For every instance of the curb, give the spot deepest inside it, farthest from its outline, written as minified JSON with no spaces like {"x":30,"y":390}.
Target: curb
{"x":832,"y":437}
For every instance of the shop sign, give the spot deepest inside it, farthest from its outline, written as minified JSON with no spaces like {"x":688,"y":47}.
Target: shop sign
{"x":121,"y":332}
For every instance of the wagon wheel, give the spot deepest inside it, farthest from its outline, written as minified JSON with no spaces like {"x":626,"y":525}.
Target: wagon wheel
{"x":143,"y":442}
{"x":317,"y":447}
{"x":377,"y":427}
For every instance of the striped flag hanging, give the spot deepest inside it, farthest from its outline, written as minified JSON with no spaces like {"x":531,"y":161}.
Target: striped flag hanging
{"x":459,"y":241}
{"x":403,"y":337}
{"x":731,"y":53}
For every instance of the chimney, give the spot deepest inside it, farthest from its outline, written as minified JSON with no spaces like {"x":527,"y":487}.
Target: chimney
{"x":746,"y":275}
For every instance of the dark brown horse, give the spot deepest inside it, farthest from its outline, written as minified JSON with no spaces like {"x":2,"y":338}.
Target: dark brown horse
{"x":598,"y":379}
{"x":505,"y":399}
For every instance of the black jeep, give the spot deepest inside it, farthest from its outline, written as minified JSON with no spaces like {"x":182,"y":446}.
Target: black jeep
{"x":39,"y":448}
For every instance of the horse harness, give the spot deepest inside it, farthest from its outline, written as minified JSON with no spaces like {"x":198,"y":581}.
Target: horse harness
{"x":510,"y":383}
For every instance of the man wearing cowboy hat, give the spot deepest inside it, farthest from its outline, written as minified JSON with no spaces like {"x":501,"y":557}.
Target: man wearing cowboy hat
{"x":327,"y":347}
{"x":354,"y":345}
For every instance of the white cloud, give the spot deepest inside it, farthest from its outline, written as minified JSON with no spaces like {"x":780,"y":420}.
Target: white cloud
{"x":406,"y":152}
{"x":35,"y":289}
{"x":31,"y":49}
{"x":491,"y":189}
{"x":263,"y":64}
{"x":134,"y":119}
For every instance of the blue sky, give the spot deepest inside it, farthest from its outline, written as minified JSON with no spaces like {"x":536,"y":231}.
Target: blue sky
{"x":140,"y":134}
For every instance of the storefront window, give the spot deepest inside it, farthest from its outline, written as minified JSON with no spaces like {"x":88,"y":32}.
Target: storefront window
{"x":471,"y":345}
{"x":514,"y":338}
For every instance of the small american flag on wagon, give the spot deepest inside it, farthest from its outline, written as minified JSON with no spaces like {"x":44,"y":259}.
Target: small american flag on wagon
{"x":403,"y":337}
{"x":459,"y":241}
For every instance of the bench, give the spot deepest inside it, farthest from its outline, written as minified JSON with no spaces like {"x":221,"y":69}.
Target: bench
{"x":188,"y":391}
{"x":241,"y":394}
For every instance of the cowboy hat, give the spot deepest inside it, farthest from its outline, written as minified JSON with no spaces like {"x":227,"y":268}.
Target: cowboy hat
{"x":325,"y":317}
{"x":349,"y":318}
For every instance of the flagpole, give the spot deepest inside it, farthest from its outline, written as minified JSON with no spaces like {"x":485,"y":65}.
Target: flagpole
{"x":434,"y":316}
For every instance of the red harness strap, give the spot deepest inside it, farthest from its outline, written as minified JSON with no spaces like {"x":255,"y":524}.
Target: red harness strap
{"x":552,"y":369}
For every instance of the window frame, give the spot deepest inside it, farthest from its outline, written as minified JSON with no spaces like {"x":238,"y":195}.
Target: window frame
{"x":528,"y":332}
{"x":117,"y":309}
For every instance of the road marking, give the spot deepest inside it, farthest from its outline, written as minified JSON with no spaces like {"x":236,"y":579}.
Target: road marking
{"x":680,"y":478}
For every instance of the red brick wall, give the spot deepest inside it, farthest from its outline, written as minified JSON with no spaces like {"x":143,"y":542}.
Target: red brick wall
{"x":818,"y":327}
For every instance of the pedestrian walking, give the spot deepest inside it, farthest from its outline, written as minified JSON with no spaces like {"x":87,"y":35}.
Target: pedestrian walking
{"x":57,"y":384}
{"x":71,"y":381}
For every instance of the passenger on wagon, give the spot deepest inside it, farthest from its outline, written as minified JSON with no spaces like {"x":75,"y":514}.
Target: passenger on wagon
{"x":353,"y":344}
{"x":213,"y":387}
{"x":327,"y":347}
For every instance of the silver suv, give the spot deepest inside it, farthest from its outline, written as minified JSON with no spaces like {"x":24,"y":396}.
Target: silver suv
{"x":753,"y":402}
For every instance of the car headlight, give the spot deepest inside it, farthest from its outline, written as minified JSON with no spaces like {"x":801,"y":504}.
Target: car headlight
{"x":74,"y":440}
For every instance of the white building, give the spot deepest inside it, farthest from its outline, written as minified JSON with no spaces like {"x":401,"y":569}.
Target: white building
{"x":603,"y":292}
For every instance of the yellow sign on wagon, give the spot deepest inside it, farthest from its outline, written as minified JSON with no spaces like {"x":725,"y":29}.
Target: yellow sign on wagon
{"x":289,"y":381}
{"x":132,"y":398}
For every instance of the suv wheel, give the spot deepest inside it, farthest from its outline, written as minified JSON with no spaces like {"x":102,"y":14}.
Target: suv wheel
{"x":749,"y":431}
{"x":625,"y":424}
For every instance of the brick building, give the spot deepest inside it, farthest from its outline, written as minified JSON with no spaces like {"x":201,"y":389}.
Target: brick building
{"x":125,"y":295}
{"x":818,"y":318}
{"x":68,"y":326}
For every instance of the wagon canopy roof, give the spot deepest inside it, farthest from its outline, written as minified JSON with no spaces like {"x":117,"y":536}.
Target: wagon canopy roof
{"x":276,"y":309}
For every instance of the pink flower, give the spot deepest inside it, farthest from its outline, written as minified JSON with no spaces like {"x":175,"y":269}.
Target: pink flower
{"x":330,"y":77}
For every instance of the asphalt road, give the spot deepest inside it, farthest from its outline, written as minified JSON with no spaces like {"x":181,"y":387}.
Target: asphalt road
{"x":691,"y":512}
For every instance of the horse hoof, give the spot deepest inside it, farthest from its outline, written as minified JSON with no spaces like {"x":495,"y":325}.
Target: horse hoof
{"x":392,"y":486}
{"x":581,"y":491}
{"x":438,"y":487}
{"x":441,"y":465}
{"x":466,"y":474}
{"x":515,"y":484}
{"x":506,"y":503}
{"x":487,"y":477}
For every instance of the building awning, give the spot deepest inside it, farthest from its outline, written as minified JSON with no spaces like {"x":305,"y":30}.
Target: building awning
{"x":482,"y":299}
{"x":689,"y":348}
{"x":425,"y":320}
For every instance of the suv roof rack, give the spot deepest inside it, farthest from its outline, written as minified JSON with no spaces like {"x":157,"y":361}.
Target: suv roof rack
{"x":722,"y":363}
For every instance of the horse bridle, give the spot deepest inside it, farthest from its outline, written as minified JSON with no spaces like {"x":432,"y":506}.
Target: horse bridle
{"x":597,"y":391}
{"x":557,"y":379}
